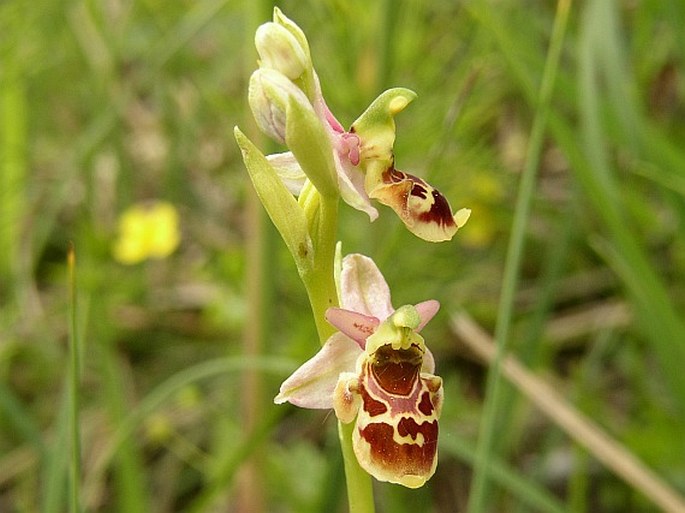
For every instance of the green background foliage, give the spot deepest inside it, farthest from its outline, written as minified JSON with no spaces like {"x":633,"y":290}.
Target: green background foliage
{"x":107,"y":103}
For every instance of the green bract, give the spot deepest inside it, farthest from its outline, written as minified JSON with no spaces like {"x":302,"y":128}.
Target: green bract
{"x":283,"y":209}
{"x":376,"y":129}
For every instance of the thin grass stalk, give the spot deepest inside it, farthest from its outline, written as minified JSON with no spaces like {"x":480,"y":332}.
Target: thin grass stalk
{"x":54,"y":475}
{"x":658,"y":317}
{"x":74,"y":392}
{"x":531,"y":495}
{"x":18,"y":418}
{"x":250,"y":496}
{"x":390,"y":12}
{"x":250,"y":483}
{"x":579,"y":482}
{"x":659,"y":322}
{"x":513,"y":261}
{"x":529,"y":350}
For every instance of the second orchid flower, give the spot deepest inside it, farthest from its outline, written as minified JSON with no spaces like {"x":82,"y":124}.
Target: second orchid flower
{"x":376,"y":371}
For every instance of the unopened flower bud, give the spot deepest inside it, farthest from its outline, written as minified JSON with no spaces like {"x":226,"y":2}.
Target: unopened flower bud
{"x":282,"y":20}
{"x":268,"y":95}
{"x":278,"y":49}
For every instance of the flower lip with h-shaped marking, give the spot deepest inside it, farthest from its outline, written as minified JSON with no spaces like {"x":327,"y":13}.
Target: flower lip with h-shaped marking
{"x":377,"y":370}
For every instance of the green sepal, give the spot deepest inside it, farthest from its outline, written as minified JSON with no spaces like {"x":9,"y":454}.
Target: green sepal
{"x":309,"y":142}
{"x":376,"y":127}
{"x":280,"y":204}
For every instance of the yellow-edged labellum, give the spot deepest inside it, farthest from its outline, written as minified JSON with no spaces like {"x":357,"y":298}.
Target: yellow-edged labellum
{"x":397,"y":409}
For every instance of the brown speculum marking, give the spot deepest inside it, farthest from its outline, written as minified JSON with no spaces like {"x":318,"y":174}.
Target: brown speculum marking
{"x":440,"y":211}
{"x":425,"y":404}
{"x":419,"y":191}
{"x":408,"y":426}
{"x":370,"y":405}
{"x":402,"y":458}
{"x":396,"y":371}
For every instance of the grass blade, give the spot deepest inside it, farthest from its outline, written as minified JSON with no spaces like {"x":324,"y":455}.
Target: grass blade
{"x":162,"y":393}
{"x":74,"y":385}
{"x":129,"y":474}
{"x":665,"y":328}
{"x":513,"y":261}
{"x":55,"y":477}
{"x":532,"y":496}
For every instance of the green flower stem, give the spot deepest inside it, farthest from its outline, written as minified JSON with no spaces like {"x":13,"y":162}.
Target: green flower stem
{"x":359,"y":490}
{"x":319,"y":280}
{"x":309,"y":228}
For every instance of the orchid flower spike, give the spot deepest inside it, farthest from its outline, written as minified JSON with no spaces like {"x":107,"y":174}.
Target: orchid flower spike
{"x":376,"y":371}
{"x":362,"y":156}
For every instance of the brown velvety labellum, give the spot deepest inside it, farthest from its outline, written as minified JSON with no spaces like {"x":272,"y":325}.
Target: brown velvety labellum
{"x":396,"y":371}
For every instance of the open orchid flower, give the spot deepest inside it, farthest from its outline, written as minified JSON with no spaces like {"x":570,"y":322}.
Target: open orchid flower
{"x":363,"y":155}
{"x":377,"y":370}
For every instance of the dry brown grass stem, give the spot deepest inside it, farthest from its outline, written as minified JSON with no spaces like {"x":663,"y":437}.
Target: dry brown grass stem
{"x":578,"y":426}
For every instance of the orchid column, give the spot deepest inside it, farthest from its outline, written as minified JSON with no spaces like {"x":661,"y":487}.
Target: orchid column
{"x":300,"y":190}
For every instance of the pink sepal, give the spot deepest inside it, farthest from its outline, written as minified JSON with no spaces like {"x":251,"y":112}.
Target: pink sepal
{"x":355,"y":325}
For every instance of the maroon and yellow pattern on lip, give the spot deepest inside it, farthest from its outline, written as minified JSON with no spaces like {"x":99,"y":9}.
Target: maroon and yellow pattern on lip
{"x":397,"y":425}
{"x":422,"y":208}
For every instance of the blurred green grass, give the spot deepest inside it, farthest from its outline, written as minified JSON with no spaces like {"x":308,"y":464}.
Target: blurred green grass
{"x":105,"y":104}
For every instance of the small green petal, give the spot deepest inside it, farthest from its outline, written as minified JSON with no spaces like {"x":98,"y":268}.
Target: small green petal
{"x":309,"y":142}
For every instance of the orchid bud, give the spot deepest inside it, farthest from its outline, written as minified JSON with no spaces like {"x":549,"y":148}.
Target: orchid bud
{"x":283,"y":21}
{"x":278,"y":49}
{"x":269,"y":94}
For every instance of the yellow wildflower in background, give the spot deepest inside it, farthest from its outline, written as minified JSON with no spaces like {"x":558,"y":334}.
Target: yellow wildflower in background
{"x":147,"y":230}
